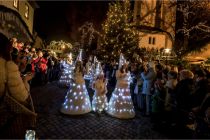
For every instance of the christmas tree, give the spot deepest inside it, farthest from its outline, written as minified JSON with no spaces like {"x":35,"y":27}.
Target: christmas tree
{"x":118,"y":34}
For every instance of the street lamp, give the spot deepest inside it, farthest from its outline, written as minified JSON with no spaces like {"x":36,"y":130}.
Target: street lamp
{"x":167,"y":52}
{"x":63,"y":46}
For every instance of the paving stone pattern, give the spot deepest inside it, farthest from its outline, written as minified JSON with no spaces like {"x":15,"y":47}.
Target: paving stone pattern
{"x":51,"y":124}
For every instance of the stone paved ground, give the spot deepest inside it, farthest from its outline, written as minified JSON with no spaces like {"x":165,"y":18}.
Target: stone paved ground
{"x":51,"y":124}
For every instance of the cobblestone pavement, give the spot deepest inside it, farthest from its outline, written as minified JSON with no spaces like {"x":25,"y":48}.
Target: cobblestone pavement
{"x":51,"y":124}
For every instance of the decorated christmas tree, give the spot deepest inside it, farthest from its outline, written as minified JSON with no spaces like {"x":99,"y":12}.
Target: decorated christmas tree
{"x":77,"y":100}
{"x":118,"y":34}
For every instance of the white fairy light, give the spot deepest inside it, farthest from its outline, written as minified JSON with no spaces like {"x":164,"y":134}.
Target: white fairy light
{"x":77,"y":107}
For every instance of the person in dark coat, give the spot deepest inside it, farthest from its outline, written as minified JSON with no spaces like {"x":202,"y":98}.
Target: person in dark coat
{"x":183,"y":92}
{"x":201,"y":88}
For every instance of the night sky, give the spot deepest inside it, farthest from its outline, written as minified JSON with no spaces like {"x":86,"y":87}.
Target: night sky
{"x":56,"y":20}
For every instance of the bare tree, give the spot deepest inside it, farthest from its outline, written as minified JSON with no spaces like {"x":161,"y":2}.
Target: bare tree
{"x":88,"y":34}
{"x":195,"y":16}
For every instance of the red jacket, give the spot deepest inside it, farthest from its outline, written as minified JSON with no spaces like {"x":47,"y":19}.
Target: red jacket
{"x":41,"y":63}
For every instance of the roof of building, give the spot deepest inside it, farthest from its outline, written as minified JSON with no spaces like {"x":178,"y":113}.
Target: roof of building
{"x":152,"y":30}
{"x":5,"y":9}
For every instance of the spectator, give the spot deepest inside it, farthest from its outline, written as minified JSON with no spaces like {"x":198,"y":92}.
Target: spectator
{"x":148,"y":76}
{"x":183,"y":93}
{"x":201,"y":88}
{"x":18,"y":87}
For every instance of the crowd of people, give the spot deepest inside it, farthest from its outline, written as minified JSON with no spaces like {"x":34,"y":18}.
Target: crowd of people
{"x":42,"y":64}
{"x":21,"y":67}
{"x":171,"y":95}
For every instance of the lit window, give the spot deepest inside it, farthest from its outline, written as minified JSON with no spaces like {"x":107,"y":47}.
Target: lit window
{"x":150,"y":39}
{"x":26,"y":11}
{"x":153,"y":41}
{"x":15,"y":3}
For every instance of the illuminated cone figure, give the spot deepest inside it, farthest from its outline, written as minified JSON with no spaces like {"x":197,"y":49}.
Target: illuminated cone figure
{"x":88,"y":67}
{"x":79,"y":57}
{"x":93,"y":70}
{"x":66,"y":72}
{"x":77,"y":100}
{"x":120,"y":104}
{"x":99,"y":102}
{"x":122,"y":60}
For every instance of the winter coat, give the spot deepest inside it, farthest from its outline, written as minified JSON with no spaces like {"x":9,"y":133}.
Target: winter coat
{"x":183,"y":92}
{"x":17,"y":88}
{"x":39,"y":65}
{"x":201,"y":90}
{"x":148,"y":81}
{"x":170,"y":97}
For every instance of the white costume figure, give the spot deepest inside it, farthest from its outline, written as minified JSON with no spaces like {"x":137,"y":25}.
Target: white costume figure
{"x":120,"y":104}
{"x":87,"y":75}
{"x":99,"y":102}
{"x":77,"y":100}
{"x":66,"y":73}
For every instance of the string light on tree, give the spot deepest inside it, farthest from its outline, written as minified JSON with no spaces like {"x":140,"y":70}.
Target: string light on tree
{"x":118,"y":34}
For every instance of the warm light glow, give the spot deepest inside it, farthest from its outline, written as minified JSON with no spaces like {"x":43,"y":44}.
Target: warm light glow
{"x":167,"y":50}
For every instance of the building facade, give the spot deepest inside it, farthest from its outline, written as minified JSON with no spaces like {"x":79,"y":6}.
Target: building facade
{"x":16,"y":19}
{"x":155,"y":21}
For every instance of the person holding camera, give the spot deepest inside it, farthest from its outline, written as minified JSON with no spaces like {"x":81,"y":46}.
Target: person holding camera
{"x":12,"y":85}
